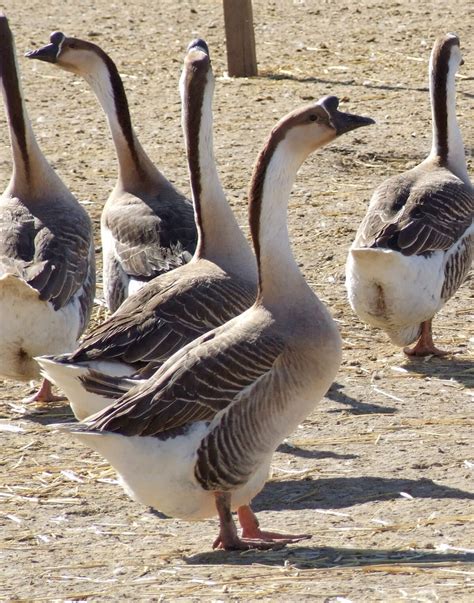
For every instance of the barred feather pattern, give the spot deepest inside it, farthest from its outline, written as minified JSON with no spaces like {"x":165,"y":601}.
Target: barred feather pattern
{"x":106,"y":385}
{"x":195,"y":385}
{"x":246,"y":432}
{"x":47,"y":245}
{"x":457,"y":267}
{"x":152,"y":235}
{"x":417,"y":213}
{"x":161,"y":318}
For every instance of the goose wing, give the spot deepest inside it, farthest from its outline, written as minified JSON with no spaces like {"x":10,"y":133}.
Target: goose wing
{"x":151,"y":236}
{"x":194,"y":385}
{"x":164,"y":315}
{"x":50,"y":250}
{"x":417,"y":216}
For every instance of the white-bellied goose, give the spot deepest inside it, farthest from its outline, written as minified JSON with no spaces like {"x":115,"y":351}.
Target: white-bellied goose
{"x":47,"y":269}
{"x":147,"y":226}
{"x":415,"y":246}
{"x":197,"y":438}
{"x":219,"y":283}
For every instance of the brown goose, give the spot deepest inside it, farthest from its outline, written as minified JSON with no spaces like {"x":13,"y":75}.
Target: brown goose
{"x":197,"y":438}
{"x":47,"y":270}
{"x":415,"y":246}
{"x":147,"y":226}
{"x":219,"y":283}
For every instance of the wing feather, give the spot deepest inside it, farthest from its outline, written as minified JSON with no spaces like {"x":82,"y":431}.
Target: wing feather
{"x":151,"y":235}
{"x":418,"y":213}
{"x":192,"y":386}
{"x":49,"y":248}
{"x":163,"y":316}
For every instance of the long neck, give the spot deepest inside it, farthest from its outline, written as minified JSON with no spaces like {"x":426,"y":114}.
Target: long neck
{"x":447,"y":143}
{"x":220,"y":239}
{"x":32,"y":175}
{"x":274,"y":174}
{"x":134,"y":164}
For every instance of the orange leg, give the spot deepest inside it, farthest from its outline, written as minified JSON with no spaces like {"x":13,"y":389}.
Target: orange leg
{"x":252,"y":536}
{"x":251,"y":529}
{"x":44,"y":394}
{"x":425,"y":346}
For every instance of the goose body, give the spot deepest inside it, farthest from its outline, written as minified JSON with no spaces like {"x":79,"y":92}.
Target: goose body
{"x":414,"y":248}
{"x":196,"y":439}
{"x":175,"y":308}
{"x":230,"y":412}
{"x":147,"y":226}
{"x":47,"y":269}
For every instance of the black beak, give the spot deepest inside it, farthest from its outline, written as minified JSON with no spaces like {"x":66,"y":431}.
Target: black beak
{"x":48,"y":53}
{"x":343,"y":122}
{"x":198,"y":44}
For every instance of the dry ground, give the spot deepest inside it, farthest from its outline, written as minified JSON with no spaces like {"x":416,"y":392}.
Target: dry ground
{"x":382,"y":471}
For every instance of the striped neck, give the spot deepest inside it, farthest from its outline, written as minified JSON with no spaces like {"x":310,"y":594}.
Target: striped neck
{"x":447,"y":144}
{"x":134,"y":164}
{"x":220,"y":239}
{"x":272,"y":180}
{"x":32,"y":175}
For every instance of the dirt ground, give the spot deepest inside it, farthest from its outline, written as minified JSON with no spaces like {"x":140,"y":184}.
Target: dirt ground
{"x":382,"y":472}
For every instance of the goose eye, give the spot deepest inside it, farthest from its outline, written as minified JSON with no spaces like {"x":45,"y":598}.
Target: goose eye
{"x":313,"y":117}
{"x":72,"y":45}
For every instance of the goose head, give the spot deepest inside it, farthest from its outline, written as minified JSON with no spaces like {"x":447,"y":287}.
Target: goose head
{"x":197,"y":61}
{"x":197,"y":74}
{"x":313,"y":126}
{"x":445,"y":56}
{"x":198,"y":44}
{"x":71,"y":54}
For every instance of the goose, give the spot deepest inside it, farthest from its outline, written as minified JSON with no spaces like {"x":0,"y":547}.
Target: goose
{"x":147,"y":226}
{"x":219,"y":283}
{"x":196,"y":439}
{"x":47,"y":269}
{"x":414,"y":247}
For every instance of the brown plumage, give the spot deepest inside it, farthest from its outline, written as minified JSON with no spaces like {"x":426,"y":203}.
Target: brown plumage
{"x":47,"y":263}
{"x":414,"y":248}
{"x":147,"y":225}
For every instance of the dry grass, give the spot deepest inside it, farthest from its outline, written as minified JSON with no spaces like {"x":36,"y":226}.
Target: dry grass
{"x":381,"y":472}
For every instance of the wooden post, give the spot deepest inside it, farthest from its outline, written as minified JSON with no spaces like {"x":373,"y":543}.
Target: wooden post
{"x":240,"y":38}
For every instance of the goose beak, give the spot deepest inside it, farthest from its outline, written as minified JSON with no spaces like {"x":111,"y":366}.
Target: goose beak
{"x":345,"y":122}
{"x":198,"y":44}
{"x":48,"y":53}
{"x":340,"y":121}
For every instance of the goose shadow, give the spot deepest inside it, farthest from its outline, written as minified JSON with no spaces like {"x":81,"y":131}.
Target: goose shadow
{"x":288,"y":448}
{"x":343,"y":492}
{"x":447,"y":369}
{"x":314,"y":557}
{"x":309,"y":79}
{"x":48,"y":413}
{"x":304,"y":79}
{"x":336,"y":394}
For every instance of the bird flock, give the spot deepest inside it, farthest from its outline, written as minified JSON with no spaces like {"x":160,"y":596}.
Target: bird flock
{"x":213,"y":352}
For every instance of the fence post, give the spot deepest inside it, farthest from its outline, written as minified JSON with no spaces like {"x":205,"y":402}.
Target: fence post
{"x":240,"y":38}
